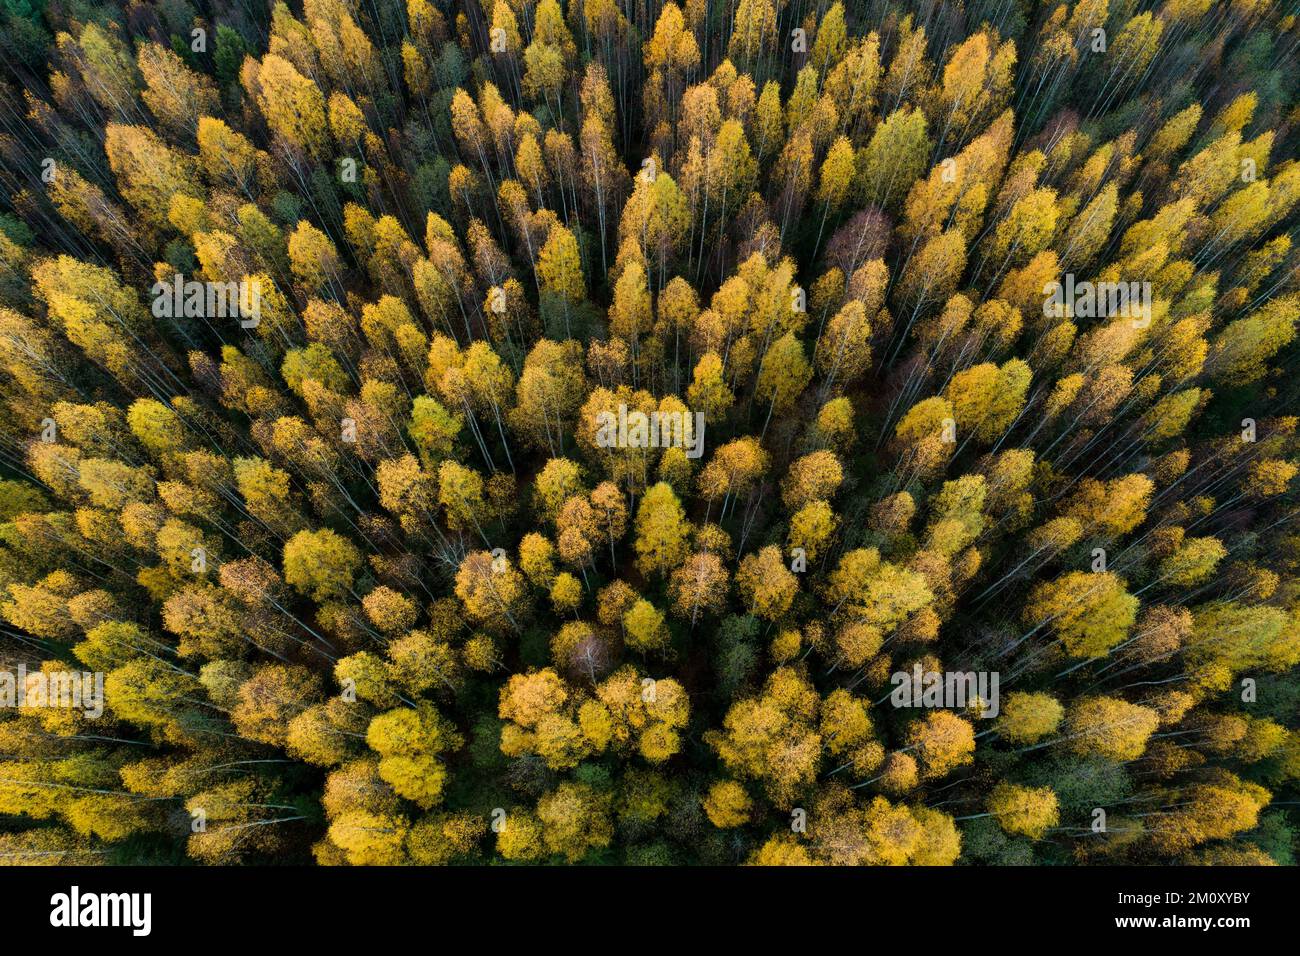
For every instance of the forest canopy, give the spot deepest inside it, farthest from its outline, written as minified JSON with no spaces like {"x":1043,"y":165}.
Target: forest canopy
{"x":775,"y":432}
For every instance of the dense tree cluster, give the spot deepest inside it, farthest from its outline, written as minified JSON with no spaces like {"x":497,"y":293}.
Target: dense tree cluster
{"x":367,"y":581}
